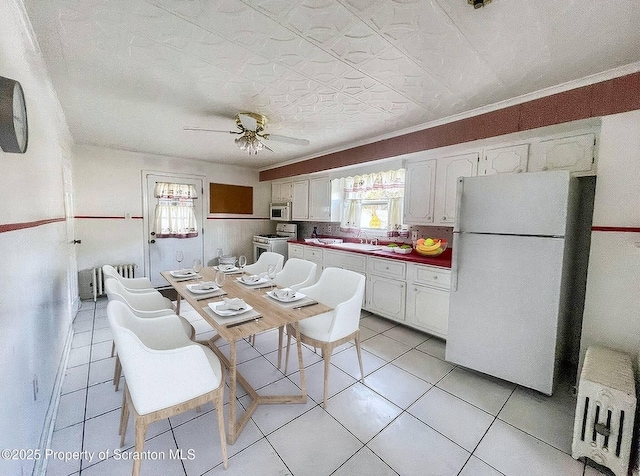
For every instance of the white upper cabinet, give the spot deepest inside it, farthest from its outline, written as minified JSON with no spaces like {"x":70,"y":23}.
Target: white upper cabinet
{"x":447,"y":173}
{"x":504,"y":160}
{"x":281,"y":192}
{"x":419,"y":192}
{"x":300,"y":200}
{"x":573,"y":153}
{"x":320,"y":199}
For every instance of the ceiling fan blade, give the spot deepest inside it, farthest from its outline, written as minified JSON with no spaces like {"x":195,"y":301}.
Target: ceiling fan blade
{"x":202,"y":129}
{"x":248,"y":122}
{"x":288,"y":140}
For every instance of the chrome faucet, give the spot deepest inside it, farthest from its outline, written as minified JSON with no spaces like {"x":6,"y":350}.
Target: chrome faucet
{"x":360,"y":236}
{"x":375,"y":239}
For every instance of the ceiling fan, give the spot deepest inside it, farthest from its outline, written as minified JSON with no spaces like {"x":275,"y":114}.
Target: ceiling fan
{"x":251,"y":131}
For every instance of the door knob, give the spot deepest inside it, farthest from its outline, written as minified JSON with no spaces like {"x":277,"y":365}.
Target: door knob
{"x":152,"y":241}
{"x":77,"y":242}
{"x":153,"y":233}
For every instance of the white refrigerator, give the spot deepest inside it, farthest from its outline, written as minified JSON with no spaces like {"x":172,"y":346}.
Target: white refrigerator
{"x":511,"y":275}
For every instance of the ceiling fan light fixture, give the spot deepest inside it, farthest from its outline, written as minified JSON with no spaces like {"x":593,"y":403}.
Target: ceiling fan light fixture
{"x":249,"y":142}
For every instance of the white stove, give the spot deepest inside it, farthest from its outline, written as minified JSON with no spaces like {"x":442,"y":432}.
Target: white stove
{"x":277,"y":242}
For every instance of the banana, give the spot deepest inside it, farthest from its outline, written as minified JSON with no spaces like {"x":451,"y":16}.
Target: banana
{"x":433,"y":247}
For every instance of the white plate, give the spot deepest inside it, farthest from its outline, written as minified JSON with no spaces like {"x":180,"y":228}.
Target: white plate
{"x":259,"y":281}
{"x":231,"y":270}
{"x":295,"y":297}
{"x":227,"y":312}
{"x":183,"y":273}
{"x":203,"y":288}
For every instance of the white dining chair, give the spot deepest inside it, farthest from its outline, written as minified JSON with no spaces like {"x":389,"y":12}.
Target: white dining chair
{"x":296,"y":273}
{"x":264,"y":260}
{"x":167,"y":373}
{"x":132,"y":284}
{"x":342,"y":290}
{"x":143,"y":305}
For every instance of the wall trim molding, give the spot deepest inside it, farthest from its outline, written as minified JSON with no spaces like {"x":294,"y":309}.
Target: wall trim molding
{"x":4,"y":228}
{"x":611,"y":96}
{"x":616,"y":229}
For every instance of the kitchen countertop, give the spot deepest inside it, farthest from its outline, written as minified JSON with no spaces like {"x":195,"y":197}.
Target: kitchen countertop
{"x":442,"y":261}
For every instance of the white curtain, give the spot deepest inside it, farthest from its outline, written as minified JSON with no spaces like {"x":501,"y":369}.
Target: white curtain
{"x":175,"y":217}
{"x":387,"y":185}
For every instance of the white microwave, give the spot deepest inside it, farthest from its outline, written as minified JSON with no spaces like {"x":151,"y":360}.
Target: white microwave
{"x":280,"y":211}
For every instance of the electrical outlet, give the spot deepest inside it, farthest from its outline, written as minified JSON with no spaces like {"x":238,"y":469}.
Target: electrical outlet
{"x":414,"y":235}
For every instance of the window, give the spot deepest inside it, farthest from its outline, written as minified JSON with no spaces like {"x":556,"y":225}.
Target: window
{"x":373,"y":202}
{"x":175,"y":217}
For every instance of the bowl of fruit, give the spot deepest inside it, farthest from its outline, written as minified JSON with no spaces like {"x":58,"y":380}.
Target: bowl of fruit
{"x":430,"y":246}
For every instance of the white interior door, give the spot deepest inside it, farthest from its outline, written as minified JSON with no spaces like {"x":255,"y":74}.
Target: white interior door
{"x":160,"y":253}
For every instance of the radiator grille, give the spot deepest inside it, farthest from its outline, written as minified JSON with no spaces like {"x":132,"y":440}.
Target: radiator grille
{"x":97,"y":278}
{"x":603,"y":428}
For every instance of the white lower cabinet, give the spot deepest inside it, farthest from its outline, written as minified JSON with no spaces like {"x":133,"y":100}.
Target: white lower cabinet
{"x":386,"y":297}
{"x":413,"y":294}
{"x":296,"y":251}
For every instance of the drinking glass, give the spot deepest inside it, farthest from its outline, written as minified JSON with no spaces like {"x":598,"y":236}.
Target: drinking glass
{"x":197,"y":265}
{"x":220,"y":277}
{"x":242,"y":262}
{"x":271,"y":273}
{"x":179,"y":257}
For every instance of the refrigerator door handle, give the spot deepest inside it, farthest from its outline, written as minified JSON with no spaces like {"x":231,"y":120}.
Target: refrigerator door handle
{"x":459,"y":187}
{"x":454,"y":263}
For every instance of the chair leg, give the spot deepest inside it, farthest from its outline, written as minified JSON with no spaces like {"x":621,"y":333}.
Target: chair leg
{"x":113,"y":348}
{"x":280,"y":336}
{"x":141,"y":432}
{"x":357,"y":339}
{"x":124,"y":414}
{"x":286,"y":359}
{"x":117,"y":373}
{"x":326,"y":355}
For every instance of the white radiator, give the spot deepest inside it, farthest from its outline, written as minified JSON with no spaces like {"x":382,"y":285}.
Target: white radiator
{"x":97,"y":279}
{"x":605,"y":412}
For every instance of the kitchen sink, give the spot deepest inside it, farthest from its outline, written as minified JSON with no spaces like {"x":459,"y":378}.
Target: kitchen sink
{"x":357,"y":246}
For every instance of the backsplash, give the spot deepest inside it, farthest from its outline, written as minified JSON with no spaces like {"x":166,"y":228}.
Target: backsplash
{"x":305,"y":229}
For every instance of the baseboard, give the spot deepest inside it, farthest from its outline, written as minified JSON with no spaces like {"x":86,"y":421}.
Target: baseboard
{"x":40,"y":468}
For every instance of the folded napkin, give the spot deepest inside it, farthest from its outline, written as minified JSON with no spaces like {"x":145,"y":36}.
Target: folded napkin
{"x":284,"y":293}
{"x":250,"y":278}
{"x":226,"y":267}
{"x":206,"y":286}
{"x":234,"y":304}
{"x":185,"y":271}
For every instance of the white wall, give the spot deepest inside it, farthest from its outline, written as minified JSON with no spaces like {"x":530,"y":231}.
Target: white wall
{"x":612,"y":307}
{"x":36,"y":307}
{"x":108,"y":183}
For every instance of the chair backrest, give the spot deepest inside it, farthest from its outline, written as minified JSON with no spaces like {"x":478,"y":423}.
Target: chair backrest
{"x":343,"y":290}
{"x":296,"y":273}
{"x":130,"y":283}
{"x":151,"y":301}
{"x":265,"y":259}
{"x":159,"y":379}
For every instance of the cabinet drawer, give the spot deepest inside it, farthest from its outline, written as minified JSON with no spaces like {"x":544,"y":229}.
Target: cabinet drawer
{"x":430,"y":276}
{"x":386,"y":267}
{"x":352,"y":261}
{"x":296,"y":251}
{"x":313,"y":254}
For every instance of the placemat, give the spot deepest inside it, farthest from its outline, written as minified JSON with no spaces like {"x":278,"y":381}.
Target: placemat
{"x":212,"y":294}
{"x":305,"y":301}
{"x":225,"y":321}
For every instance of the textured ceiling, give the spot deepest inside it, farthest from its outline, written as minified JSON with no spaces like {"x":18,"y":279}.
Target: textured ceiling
{"x":130,"y":74}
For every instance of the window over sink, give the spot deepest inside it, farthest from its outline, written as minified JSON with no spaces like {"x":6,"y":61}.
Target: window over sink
{"x":372,"y":202}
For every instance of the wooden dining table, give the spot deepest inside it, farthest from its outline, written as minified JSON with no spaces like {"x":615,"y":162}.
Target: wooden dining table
{"x":267,"y":314}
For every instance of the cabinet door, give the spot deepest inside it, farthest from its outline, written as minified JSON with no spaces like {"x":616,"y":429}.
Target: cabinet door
{"x":448,"y":171}
{"x":428,"y":309}
{"x":320,"y":199}
{"x":386,"y":297}
{"x":575,"y":153}
{"x":504,"y":160}
{"x":300,"y":202}
{"x":419,"y":192}
{"x":296,"y":251}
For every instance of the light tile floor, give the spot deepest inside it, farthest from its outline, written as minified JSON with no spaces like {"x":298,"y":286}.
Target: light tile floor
{"x":415,"y":415}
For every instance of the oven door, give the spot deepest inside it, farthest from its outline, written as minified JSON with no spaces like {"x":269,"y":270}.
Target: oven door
{"x":259,"y":248}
